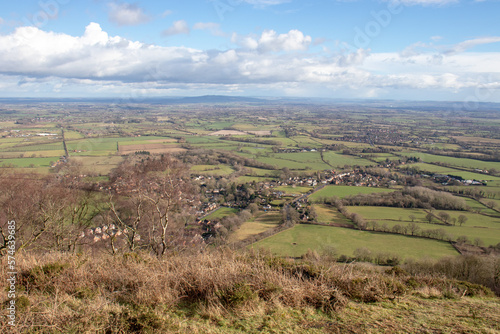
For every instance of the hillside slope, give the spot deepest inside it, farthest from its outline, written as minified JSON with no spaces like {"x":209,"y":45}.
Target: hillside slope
{"x":226,"y":292}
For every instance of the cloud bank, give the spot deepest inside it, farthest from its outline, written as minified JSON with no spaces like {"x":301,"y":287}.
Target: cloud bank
{"x":277,"y":63}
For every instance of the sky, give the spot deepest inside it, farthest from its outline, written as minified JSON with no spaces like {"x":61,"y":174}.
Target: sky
{"x":447,"y":50}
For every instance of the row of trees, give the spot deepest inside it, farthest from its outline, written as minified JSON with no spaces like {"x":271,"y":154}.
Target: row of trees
{"x":411,"y":229}
{"x":409,"y":197}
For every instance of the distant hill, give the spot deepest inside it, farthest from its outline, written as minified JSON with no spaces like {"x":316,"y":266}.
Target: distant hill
{"x":153,"y":100}
{"x":443,"y":106}
{"x":216,"y":99}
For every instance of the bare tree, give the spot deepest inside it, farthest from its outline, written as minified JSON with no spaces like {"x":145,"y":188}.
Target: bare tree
{"x":128,"y":215}
{"x":462,"y":219}
{"x":48,"y":213}
{"x":21,"y":200}
{"x":159,"y":193}
{"x":491,"y":204}
{"x":445,"y":216}
{"x":413,"y":228}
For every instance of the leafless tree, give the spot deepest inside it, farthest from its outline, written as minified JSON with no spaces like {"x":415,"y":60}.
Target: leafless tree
{"x":157,"y":194}
{"x":462,"y":219}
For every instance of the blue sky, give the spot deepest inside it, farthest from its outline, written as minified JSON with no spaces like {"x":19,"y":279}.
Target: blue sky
{"x":388,"y":49}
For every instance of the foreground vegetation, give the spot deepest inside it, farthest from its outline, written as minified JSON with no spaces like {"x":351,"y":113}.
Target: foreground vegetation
{"x":227,"y":292}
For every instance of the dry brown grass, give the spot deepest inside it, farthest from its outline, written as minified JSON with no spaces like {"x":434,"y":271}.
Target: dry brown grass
{"x":140,"y":293}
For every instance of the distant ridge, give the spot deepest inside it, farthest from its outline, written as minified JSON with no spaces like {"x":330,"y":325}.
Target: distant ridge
{"x":216,"y":99}
{"x":450,"y":106}
{"x":125,"y":100}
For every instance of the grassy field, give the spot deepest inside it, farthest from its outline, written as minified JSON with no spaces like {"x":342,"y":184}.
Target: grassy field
{"x":306,"y":141}
{"x":385,"y":213}
{"x":221,"y":213}
{"x":495,"y":201}
{"x":27,"y":162}
{"x":459,"y":162}
{"x":343,"y":191}
{"x":261,"y":172}
{"x":480,"y":207}
{"x":297,"y":161}
{"x":219,"y":170}
{"x":99,"y":144}
{"x":328,"y":215}
{"x":451,"y":171}
{"x":262,"y":223}
{"x":477,"y":226}
{"x":340,"y":160}
{"x":297,"y":240}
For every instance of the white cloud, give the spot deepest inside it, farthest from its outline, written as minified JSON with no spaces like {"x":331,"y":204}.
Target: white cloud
{"x":32,"y":60}
{"x":177,"y":28}
{"x":270,"y":41}
{"x":214,"y":28}
{"x":415,"y":49}
{"x":125,"y":14}
{"x":464,"y":46}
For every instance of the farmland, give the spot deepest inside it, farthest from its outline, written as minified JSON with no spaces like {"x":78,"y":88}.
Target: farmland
{"x":323,"y":165}
{"x":484,"y":228}
{"x":344,"y":191}
{"x":299,"y":239}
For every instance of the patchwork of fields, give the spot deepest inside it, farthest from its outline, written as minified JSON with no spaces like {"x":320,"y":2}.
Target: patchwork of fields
{"x":295,"y":157}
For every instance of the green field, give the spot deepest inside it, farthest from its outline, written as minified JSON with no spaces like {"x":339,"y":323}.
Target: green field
{"x":480,"y":207}
{"x":496,"y":202}
{"x":296,"y":161}
{"x":218,"y":170}
{"x":451,"y":171}
{"x":88,"y":145}
{"x":386,"y":213}
{"x":27,"y":162}
{"x":344,"y":191}
{"x":297,"y":240}
{"x":459,"y":162}
{"x":221,"y":213}
{"x":340,"y":160}
{"x":477,"y":226}
{"x":261,"y":172}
